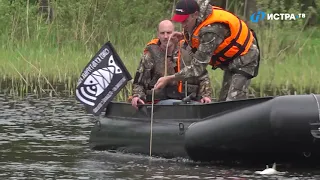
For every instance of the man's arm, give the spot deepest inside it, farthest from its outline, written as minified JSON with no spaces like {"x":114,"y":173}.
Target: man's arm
{"x":210,"y":37}
{"x":142,"y":76}
{"x":205,"y":89}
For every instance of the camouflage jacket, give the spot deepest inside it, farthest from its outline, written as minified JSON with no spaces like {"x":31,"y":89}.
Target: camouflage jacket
{"x":210,"y":37}
{"x":151,"y":68}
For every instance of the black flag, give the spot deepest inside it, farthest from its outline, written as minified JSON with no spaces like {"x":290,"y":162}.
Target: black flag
{"x":101,"y":80}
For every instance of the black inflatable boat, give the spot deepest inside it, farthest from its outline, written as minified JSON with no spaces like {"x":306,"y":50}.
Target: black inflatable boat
{"x":270,"y":128}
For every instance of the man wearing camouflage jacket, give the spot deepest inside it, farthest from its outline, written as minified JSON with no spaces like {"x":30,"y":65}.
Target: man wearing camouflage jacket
{"x":152,"y":67}
{"x":220,"y":39}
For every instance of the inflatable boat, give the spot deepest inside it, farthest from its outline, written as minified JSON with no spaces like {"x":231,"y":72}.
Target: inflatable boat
{"x":275,"y":129}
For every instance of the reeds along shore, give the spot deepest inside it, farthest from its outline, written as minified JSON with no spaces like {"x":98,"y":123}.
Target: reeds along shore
{"x":47,"y":58}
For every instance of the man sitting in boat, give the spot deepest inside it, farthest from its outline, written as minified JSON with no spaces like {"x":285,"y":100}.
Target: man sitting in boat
{"x":152,"y":67}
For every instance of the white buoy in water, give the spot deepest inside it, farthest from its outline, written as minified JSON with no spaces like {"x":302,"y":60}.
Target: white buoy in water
{"x":269,"y":171}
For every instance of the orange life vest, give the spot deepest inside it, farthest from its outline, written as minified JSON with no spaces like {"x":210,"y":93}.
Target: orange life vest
{"x":178,"y":68}
{"x":238,"y":43}
{"x":179,"y":65}
{"x":154,"y":41}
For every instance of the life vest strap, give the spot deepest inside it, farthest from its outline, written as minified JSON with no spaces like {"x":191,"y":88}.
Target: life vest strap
{"x":245,"y":74}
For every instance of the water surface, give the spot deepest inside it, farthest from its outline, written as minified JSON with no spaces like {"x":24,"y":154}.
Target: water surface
{"x":47,"y":138}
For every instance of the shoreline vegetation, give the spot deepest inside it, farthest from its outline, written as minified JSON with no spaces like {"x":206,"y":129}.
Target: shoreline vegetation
{"x":41,"y":57}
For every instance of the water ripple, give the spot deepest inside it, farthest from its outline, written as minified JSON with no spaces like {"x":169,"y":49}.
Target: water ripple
{"x":47,"y":138}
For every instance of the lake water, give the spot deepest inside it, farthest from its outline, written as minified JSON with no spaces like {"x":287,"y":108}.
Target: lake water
{"x":47,"y":138}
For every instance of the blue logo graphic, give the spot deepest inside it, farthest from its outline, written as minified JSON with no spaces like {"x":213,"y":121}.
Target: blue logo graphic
{"x":255,"y":17}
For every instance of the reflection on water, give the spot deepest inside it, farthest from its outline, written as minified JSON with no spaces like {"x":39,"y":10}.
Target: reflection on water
{"x":48,"y":139}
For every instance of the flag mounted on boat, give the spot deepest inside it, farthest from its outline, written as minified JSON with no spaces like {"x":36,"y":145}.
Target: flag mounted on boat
{"x":101,"y":80}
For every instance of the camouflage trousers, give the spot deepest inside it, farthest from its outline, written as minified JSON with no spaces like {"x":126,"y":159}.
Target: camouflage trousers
{"x":234,"y":87}
{"x":238,"y":74}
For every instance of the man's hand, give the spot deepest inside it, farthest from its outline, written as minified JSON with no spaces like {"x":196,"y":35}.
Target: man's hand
{"x":205,"y":100}
{"x":163,"y":81}
{"x":176,"y":36}
{"x":135,"y":102}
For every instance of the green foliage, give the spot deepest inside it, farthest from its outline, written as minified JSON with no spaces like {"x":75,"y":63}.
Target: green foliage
{"x":90,"y":22}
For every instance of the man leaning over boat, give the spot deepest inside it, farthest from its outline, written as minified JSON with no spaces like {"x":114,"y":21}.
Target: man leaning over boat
{"x":152,"y":67}
{"x":220,"y":39}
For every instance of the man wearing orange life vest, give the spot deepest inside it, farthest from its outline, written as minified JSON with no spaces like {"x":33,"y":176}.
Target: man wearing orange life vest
{"x":151,"y":68}
{"x":218,"y":38}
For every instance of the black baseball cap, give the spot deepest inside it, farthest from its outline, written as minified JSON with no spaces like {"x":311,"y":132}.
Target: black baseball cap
{"x":184,"y":8}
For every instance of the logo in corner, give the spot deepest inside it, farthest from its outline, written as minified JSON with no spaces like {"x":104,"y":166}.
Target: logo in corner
{"x":258,"y":16}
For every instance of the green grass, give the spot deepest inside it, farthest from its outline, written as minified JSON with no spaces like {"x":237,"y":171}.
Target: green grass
{"x":45,"y":58}
{"x":36,"y":68}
